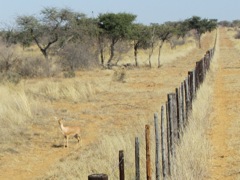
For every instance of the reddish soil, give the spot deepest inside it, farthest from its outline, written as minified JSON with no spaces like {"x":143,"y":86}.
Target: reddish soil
{"x":226,"y":109}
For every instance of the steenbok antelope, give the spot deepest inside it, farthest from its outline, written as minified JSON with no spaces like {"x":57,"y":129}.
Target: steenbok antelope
{"x":69,"y":131}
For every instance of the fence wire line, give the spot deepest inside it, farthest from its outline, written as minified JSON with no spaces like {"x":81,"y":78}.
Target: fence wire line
{"x":115,"y":167}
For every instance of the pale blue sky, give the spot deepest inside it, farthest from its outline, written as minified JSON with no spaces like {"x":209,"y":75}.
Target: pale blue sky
{"x":147,"y":11}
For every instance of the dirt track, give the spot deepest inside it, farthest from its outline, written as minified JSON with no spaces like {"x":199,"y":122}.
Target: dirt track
{"x":226,"y":110}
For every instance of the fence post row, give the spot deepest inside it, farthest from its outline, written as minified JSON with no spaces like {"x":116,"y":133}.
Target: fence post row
{"x":178,"y":107}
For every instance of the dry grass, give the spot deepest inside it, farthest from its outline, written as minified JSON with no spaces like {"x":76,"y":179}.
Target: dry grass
{"x":234,"y":143}
{"x":71,"y":90}
{"x":194,"y":152}
{"x":231,"y":34}
{"x":234,"y":111}
{"x":21,"y":105}
{"x":15,"y":110}
{"x":115,"y":111}
{"x":191,"y":161}
{"x":167,"y":54}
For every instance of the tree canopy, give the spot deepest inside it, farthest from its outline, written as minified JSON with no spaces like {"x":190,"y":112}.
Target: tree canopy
{"x":116,"y":27}
{"x":201,"y":26}
{"x":55,"y":29}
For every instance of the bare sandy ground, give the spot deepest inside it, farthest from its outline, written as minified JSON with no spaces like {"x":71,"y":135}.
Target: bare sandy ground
{"x":226,"y":110}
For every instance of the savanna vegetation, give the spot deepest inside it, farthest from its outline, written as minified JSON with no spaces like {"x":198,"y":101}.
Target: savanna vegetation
{"x":60,"y":63}
{"x":68,"y":41}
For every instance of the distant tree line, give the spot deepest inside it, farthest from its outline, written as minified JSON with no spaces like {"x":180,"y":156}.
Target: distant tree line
{"x":82,"y":41}
{"x":235,"y":24}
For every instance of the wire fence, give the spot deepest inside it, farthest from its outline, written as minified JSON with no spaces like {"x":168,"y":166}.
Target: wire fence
{"x":174,"y":119}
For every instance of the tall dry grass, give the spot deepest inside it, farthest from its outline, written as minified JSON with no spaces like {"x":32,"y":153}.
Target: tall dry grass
{"x":22,"y":104}
{"x":15,"y":111}
{"x":168,"y":54}
{"x":72,"y":90}
{"x":194,"y":151}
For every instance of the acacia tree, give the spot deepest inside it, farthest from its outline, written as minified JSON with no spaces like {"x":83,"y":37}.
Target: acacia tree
{"x":164,"y":32}
{"x":115,"y":27}
{"x":180,"y":30}
{"x":46,"y":30}
{"x":140,"y":36}
{"x":152,"y":41}
{"x":78,"y":46}
{"x":201,"y":26}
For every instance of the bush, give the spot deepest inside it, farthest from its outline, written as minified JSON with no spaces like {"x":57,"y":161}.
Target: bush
{"x":38,"y":67}
{"x":79,"y":56}
{"x":119,"y":75}
{"x":237,"y":36}
{"x":8,"y":59}
{"x":11,"y":77}
{"x":174,"y":42}
{"x":13,"y":66}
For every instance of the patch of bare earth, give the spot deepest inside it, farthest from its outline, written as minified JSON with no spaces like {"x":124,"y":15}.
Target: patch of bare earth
{"x":226,"y":111}
{"x":115,"y":108}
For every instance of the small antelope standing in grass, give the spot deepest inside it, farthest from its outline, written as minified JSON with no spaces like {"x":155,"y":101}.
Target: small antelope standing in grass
{"x":69,"y":131}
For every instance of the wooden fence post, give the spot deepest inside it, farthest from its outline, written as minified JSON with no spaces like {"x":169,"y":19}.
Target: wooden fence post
{"x":204,"y":67}
{"x":183,"y":105}
{"x":137,"y":159}
{"x":178,"y":112}
{"x":157,"y":146}
{"x":197,"y":75}
{"x":98,"y":177}
{"x":163,"y":143}
{"x":172,"y":111}
{"x":168,"y":140}
{"x":207,"y":60}
{"x":192,"y":88}
{"x":201,"y":71}
{"x":148,"y":152}
{"x":187,"y":100}
{"x":121,"y":165}
{"x":170,"y":126}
